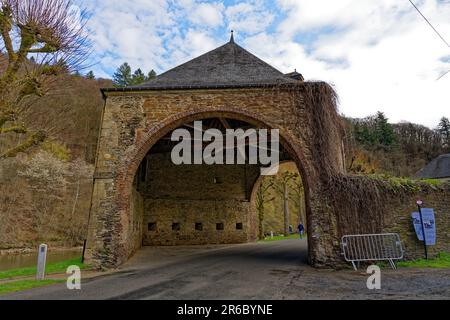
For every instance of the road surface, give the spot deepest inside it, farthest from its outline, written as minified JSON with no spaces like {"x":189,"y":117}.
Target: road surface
{"x":269,"y":270}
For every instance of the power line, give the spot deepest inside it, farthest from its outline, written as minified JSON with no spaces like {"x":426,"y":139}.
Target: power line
{"x":442,"y":75}
{"x":429,"y":23}
{"x":434,"y":29}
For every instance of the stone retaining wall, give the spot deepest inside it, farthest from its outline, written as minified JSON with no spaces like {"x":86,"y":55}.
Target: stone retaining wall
{"x":398,"y":219}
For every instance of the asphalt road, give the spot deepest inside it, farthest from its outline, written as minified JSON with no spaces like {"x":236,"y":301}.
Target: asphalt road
{"x":270,"y":270}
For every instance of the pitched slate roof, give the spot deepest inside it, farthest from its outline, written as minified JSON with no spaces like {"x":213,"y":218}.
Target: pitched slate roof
{"x":437,"y":169}
{"x":227,"y":66}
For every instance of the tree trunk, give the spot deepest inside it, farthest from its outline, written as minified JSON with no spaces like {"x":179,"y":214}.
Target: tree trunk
{"x":261,"y":223}
{"x":300,"y":211}
{"x":286,"y":209}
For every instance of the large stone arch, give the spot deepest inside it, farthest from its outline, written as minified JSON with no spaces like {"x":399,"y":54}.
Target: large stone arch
{"x":152,"y":134}
{"x":133,"y":123}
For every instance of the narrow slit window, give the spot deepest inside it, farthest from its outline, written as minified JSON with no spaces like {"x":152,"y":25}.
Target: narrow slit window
{"x":176,"y":226}
{"x":152,"y":226}
{"x":219,"y":226}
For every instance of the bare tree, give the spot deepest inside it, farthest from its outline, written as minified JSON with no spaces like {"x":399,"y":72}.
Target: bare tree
{"x":282,"y":185}
{"x":41,"y":39}
{"x":262,"y":197}
{"x":298,"y":196}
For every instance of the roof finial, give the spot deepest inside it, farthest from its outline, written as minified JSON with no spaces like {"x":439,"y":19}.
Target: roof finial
{"x":232,"y":37}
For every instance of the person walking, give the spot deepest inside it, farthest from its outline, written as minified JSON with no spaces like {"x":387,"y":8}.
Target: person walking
{"x":301,"y":229}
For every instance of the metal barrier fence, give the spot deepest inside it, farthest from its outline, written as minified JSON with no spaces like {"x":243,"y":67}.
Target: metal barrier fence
{"x":372,"y":247}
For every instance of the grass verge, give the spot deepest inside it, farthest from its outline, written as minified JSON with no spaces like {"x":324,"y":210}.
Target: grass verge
{"x":278,"y":238}
{"x":49,"y":269}
{"x":20,"y":285}
{"x":442,"y":260}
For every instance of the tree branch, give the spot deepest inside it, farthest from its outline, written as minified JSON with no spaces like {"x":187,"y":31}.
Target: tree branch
{"x":27,"y":40}
{"x":5,"y":29}
{"x":33,"y":140}
{"x":15,"y":129}
{"x":45,"y":49}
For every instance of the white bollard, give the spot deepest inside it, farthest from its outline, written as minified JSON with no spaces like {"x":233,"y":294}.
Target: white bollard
{"x":42,"y":257}
{"x":271,"y":234}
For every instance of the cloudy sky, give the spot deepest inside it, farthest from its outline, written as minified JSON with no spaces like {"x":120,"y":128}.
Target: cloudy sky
{"x":379,"y":54}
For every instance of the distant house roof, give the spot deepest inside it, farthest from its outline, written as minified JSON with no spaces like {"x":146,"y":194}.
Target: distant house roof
{"x":438,"y":168}
{"x":295,"y":75}
{"x":229,"y":65}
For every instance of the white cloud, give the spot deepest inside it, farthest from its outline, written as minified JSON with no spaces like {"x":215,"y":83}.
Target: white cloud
{"x":200,"y":14}
{"x":189,"y":46}
{"x":129,"y":30}
{"x":248,"y":17}
{"x":379,"y":54}
{"x":206,"y":14}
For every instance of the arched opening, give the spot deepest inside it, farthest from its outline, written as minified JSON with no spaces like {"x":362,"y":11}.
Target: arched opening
{"x":195,"y":203}
{"x":168,"y":204}
{"x":279,"y":203}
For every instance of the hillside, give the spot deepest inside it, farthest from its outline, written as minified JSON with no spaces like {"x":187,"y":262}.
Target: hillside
{"x":375,"y":146}
{"x":45,"y":194}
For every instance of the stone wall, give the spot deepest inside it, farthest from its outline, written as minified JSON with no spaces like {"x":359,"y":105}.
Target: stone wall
{"x":136,"y":226}
{"x":373,"y":204}
{"x":187,"y":204}
{"x":398,"y":219}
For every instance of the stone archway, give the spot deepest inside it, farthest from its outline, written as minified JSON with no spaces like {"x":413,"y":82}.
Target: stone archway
{"x":231,"y":81}
{"x":133,"y":122}
{"x":151,"y":135}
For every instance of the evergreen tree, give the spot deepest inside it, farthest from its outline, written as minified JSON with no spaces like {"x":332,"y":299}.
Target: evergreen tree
{"x":90,"y":75}
{"x":122,"y":77}
{"x":444,"y":131}
{"x":375,"y":131}
{"x":138,"y":77}
{"x":384,"y":131}
{"x":151,"y":75}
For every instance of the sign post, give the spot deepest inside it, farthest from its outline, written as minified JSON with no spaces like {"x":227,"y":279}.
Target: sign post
{"x":419,"y":206}
{"x":42,"y":257}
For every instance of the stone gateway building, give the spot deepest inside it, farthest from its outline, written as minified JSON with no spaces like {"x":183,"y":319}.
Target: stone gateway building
{"x":141,"y":198}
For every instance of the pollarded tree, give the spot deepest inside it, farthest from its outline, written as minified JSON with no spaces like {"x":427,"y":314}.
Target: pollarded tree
{"x":42,"y":39}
